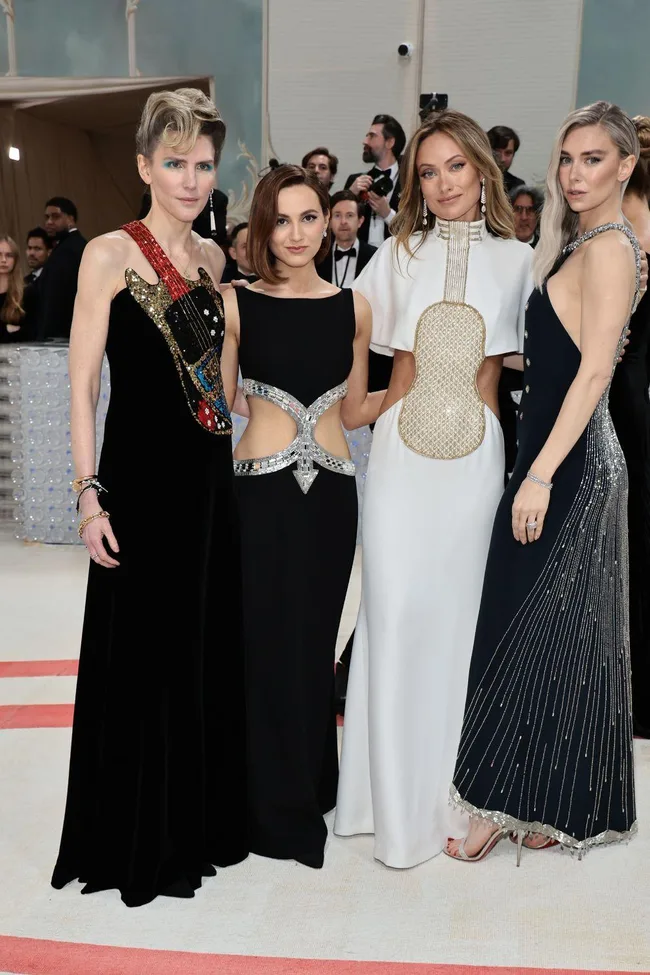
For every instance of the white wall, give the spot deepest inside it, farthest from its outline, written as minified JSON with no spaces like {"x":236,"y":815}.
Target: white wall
{"x":507,"y":62}
{"x":333,"y":64}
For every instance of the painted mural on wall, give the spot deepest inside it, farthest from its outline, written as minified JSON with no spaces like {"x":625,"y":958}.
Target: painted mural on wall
{"x":153,"y":38}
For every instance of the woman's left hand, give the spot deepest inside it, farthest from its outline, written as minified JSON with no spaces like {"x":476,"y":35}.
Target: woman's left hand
{"x":528,"y":511}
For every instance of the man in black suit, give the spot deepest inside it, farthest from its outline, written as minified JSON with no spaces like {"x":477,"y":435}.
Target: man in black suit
{"x":238,"y":268}
{"x":382,"y":146}
{"x":39,"y":248}
{"x":505,"y":145}
{"x":348,"y":254}
{"x":58,"y":282}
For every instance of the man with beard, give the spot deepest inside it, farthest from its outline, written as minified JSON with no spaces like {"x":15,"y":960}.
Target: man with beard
{"x":382,"y":146}
{"x":58,"y":281}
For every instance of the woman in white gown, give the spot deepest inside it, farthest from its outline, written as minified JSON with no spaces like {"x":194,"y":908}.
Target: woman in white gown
{"x":448,"y":294}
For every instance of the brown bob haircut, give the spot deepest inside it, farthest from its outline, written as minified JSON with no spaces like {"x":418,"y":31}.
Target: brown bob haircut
{"x":264,"y":213}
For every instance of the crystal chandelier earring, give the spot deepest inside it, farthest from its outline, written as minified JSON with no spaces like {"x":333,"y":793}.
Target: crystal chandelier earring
{"x":425,"y":213}
{"x":483,"y":196}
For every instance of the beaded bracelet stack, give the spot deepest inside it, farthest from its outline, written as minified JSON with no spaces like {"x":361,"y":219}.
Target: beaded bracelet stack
{"x":89,"y":483}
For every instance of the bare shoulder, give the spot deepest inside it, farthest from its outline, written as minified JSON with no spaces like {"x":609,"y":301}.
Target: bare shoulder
{"x":607,"y":257}
{"x":108,"y":250}
{"x":231,"y":308}
{"x":211,"y":257}
{"x":362,"y":308}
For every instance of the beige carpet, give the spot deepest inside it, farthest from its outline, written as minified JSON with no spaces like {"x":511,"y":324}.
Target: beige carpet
{"x":264,"y":916}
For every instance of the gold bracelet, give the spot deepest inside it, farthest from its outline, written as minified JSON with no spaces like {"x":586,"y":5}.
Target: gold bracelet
{"x":86,"y":521}
{"x":78,"y":482}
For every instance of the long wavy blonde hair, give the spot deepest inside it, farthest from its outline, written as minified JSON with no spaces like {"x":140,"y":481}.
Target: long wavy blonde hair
{"x":12,"y":310}
{"x":559,"y":224}
{"x":475,"y":146}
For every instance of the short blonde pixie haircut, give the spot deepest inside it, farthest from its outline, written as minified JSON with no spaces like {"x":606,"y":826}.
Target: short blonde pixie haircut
{"x":177,"y":119}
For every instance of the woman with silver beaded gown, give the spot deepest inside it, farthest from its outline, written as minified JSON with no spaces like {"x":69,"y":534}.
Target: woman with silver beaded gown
{"x":302,"y":346}
{"x":546,"y":747}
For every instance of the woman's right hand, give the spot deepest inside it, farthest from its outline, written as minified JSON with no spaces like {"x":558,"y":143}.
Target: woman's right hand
{"x":96,"y":531}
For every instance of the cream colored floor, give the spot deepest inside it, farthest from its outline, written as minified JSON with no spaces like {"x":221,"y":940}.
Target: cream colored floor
{"x":554,"y":912}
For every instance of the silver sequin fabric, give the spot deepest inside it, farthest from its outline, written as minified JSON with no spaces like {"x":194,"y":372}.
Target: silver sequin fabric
{"x":304,"y":450}
{"x":547,"y":743}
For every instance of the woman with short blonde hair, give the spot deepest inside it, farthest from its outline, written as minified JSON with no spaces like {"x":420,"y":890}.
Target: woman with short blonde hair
{"x":157,"y":786}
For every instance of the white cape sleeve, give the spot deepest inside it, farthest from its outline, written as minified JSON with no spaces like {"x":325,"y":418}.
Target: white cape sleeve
{"x":377,"y":283}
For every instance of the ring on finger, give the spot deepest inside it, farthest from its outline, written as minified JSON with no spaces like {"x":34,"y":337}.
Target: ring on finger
{"x":531,"y":525}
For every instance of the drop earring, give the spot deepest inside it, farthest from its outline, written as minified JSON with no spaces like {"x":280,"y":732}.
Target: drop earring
{"x":483,"y":195}
{"x":324,"y":233}
{"x":425,"y":213}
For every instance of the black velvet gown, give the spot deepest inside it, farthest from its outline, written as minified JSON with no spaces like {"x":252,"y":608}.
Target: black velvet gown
{"x":546,"y":744}
{"x":629,"y":406}
{"x":297,"y":555}
{"x":157,"y":787}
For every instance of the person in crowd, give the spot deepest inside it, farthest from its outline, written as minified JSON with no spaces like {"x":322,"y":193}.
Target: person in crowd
{"x":344,"y":261}
{"x":527,"y":202}
{"x":348,"y":255}
{"x":630,"y":409}
{"x":505,"y":145}
{"x":12,"y":312}
{"x":324,"y":163}
{"x":447,"y":296}
{"x":546,"y":747}
{"x":39,"y":248}
{"x":383,"y":147}
{"x":302,"y":345}
{"x":58,"y":280}
{"x":238,"y":268}
{"x":157,"y":784}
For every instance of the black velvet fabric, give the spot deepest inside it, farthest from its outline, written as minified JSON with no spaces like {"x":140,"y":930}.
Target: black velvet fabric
{"x":157,"y":788}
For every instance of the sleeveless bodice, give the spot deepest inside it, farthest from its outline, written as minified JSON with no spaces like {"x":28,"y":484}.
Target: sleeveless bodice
{"x":300,"y":345}
{"x":297,"y":354}
{"x":551,"y":361}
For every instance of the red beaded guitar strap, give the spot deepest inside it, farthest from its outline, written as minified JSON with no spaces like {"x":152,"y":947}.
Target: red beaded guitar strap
{"x":171,"y":278}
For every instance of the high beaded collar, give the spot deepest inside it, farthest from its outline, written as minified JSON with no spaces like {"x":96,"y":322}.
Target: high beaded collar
{"x":446,"y":229}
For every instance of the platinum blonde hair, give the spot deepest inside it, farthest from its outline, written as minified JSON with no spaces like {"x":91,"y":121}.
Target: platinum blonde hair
{"x":177,"y":119}
{"x":559,"y":224}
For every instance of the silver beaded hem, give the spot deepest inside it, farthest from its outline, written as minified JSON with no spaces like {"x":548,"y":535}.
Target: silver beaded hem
{"x":304,"y":450}
{"x":512,"y":824}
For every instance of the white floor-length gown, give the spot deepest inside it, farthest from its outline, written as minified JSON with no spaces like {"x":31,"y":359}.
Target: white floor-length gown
{"x":435,"y":477}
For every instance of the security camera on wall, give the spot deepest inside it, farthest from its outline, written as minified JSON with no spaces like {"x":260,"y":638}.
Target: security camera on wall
{"x":405,"y":49}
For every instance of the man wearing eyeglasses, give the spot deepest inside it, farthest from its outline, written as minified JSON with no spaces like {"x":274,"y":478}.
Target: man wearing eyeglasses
{"x":527,"y":202}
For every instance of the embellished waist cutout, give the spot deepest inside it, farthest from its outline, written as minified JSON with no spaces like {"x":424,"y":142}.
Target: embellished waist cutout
{"x":442,"y":414}
{"x":304,"y":450}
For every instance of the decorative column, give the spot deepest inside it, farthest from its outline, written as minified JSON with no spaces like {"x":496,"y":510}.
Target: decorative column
{"x":8,"y":7}
{"x":131,"y":8}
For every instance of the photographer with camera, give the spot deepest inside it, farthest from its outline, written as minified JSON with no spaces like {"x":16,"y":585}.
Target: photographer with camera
{"x":379,"y":189}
